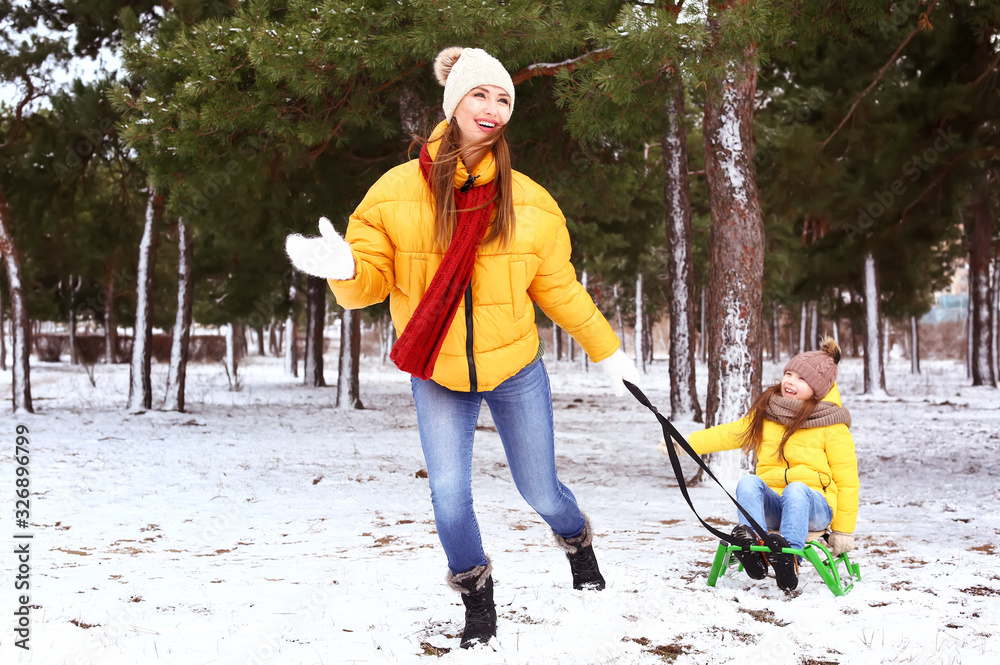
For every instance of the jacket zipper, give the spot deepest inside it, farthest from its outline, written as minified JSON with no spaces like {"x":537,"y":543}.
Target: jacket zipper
{"x":473,"y":383}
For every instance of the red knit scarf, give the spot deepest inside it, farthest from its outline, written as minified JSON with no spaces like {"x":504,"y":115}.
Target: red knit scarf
{"x":417,"y":349}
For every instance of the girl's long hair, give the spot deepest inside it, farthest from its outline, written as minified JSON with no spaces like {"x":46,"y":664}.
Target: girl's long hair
{"x":753,"y":436}
{"x":442,"y":183}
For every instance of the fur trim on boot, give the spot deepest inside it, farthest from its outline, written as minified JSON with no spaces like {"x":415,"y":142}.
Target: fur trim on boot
{"x":460,"y":582}
{"x":576,"y":543}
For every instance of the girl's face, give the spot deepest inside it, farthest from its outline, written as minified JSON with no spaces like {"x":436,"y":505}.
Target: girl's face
{"x":481,"y":112}
{"x":794,"y":387}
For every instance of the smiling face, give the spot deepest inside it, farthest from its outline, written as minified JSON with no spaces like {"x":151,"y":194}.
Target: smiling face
{"x":481,"y":112}
{"x":794,"y":387}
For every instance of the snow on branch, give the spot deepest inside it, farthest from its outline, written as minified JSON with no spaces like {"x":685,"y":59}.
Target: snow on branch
{"x":552,"y":68}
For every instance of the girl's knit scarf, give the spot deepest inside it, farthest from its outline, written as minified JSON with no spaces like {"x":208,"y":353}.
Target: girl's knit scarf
{"x":417,"y":349}
{"x":783,"y":409}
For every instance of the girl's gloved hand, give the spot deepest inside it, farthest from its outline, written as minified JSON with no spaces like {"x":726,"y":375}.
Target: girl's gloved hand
{"x":618,"y":367}
{"x":328,"y":256}
{"x":840,"y":542}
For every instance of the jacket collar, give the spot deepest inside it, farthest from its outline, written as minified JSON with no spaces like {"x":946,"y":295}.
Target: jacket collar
{"x":834,"y":396}
{"x":484,"y":172}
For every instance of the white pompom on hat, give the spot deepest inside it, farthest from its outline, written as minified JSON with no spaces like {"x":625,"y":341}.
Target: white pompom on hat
{"x":460,"y":70}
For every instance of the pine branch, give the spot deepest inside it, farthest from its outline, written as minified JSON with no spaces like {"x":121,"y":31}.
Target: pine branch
{"x":552,"y":68}
{"x":922,"y":24}
{"x":18,"y":123}
{"x":989,"y":70}
{"x":964,"y":157}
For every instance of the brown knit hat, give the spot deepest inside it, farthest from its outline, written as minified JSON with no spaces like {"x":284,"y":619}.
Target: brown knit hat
{"x":818,"y":368}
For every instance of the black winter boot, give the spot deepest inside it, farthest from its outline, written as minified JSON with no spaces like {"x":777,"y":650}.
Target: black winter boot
{"x":786,"y":566}
{"x":754,"y":563}
{"x":582,"y":561}
{"x":476,"y":587}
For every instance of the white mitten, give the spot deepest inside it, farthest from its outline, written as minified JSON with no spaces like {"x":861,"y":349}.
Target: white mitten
{"x":618,"y":367}
{"x":840,"y":542}
{"x":328,"y":256}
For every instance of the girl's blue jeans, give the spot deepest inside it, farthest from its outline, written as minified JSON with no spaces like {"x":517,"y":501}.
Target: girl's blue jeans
{"x":521,"y":408}
{"x":798,"y":510}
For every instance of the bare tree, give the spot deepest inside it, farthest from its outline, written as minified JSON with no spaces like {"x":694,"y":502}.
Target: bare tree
{"x":176,"y":376}
{"x":140,"y":391}
{"x":736,"y":252}
{"x":348,"y":380}
{"x":874,"y":366}
{"x":979,"y":235}
{"x":315,"y":318}
{"x":677,"y":195}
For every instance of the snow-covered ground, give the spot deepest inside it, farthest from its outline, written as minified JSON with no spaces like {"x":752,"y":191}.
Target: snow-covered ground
{"x":265,"y":526}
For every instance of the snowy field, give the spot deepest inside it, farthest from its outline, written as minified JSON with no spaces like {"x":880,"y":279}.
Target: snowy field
{"x":265,"y":526}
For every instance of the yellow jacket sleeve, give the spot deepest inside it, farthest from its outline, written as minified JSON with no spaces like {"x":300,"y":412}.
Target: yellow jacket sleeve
{"x":720,"y":437}
{"x":374,"y":255}
{"x":564,"y":300}
{"x":844,"y":467}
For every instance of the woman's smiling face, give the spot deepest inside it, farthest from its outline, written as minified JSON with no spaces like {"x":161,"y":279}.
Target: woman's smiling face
{"x":794,"y":386}
{"x":481,"y":112}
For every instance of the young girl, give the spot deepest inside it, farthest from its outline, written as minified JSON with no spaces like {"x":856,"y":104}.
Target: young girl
{"x":463,"y":246}
{"x":806,"y":476}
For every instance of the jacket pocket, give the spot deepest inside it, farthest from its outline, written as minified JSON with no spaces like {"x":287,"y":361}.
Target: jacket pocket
{"x":417,"y":282}
{"x":519,"y":288}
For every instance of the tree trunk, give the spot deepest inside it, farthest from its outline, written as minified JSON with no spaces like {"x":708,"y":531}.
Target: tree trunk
{"x":775,"y":323}
{"x":995,"y":309}
{"x":315,"y":318}
{"x":140,"y":392}
{"x":110,"y":326}
{"x":886,"y":338}
{"x":272,"y":337}
{"x":232,"y":331}
{"x":180,"y":344}
{"x":874,"y":369}
{"x":291,"y":361}
{"x":813,"y":325}
{"x":348,"y":382}
{"x":618,"y":317}
{"x":677,"y":196}
{"x":703,"y":334}
{"x":914,"y":346}
{"x":3,"y":337}
{"x":979,"y":236}
{"x":20,"y":332}
{"x":803,"y":327}
{"x":557,"y":340}
{"x":640,"y":356}
{"x":736,"y":254}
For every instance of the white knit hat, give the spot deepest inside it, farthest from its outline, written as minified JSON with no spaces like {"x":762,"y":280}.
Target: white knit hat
{"x":460,"y":70}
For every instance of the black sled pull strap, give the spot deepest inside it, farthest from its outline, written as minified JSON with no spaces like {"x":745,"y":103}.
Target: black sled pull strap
{"x":670,"y":432}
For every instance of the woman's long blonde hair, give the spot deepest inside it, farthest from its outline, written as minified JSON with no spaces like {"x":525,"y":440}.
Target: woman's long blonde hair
{"x":442,"y":184}
{"x":753,"y":435}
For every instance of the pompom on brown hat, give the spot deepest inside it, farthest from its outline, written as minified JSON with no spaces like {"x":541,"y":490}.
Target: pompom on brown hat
{"x":818,"y":368}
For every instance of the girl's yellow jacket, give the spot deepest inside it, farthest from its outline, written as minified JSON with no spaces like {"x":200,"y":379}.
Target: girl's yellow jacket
{"x":823,"y":458}
{"x":391,"y":236}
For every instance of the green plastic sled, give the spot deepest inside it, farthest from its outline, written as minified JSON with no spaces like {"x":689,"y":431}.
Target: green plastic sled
{"x":828,"y":566}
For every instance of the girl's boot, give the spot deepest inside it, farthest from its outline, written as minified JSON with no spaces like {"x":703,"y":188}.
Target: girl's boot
{"x":582,"y":561}
{"x":476,"y":587}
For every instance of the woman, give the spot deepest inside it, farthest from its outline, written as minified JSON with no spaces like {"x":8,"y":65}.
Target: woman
{"x":463,"y":246}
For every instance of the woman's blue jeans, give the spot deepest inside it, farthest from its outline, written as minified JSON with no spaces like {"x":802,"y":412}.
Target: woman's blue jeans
{"x":521,"y":408}
{"x":798,"y":510}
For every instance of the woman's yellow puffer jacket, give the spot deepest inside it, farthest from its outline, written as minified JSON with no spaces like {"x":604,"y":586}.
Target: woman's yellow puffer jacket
{"x":823,"y":458}
{"x":391,"y":236}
